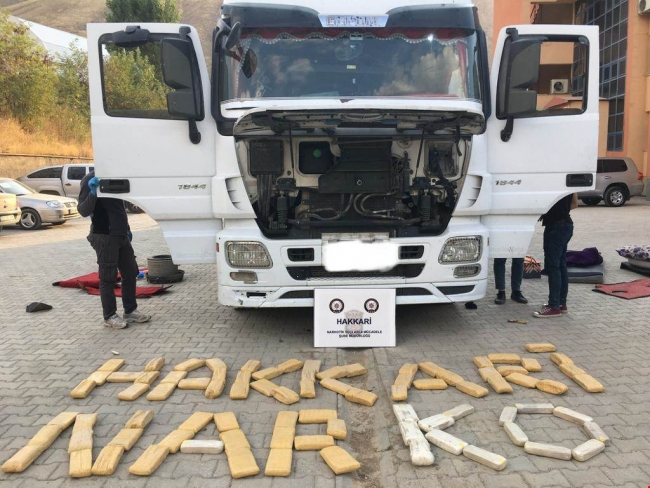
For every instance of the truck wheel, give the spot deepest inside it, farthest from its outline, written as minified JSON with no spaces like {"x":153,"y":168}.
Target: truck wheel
{"x":134,"y":209}
{"x":615,"y":196}
{"x":591,"y":201}
{"x":30,"y":219}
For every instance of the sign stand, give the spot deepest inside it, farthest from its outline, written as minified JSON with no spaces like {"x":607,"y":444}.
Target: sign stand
{"x":351,"y":317}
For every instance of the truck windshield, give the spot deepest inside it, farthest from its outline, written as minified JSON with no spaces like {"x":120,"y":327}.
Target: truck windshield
{"x":335,"y":63}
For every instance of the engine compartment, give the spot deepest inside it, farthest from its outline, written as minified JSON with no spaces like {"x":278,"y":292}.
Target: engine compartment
{"x":303,"y":186}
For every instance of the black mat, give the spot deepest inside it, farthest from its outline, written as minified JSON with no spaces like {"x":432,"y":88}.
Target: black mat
{"x":636,"y":269}
{"x":587,"y":274}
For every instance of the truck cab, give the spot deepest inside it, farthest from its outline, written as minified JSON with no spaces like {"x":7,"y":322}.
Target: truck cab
{"x":342,"y":144}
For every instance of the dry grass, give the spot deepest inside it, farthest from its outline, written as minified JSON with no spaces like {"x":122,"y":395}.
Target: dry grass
{"x":15,"y":140}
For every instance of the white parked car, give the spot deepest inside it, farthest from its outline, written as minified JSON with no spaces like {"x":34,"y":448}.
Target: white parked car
{"x":37,"y":208}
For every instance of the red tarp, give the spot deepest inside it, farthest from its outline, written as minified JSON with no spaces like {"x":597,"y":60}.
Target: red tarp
{"x":630,"y":290}
{"x":90,"y":283}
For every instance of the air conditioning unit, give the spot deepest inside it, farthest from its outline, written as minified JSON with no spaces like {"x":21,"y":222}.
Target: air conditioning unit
{"x":644,"y":7}
{"x":560,"y":86}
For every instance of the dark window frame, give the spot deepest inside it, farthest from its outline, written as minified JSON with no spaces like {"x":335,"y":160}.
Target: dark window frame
{"x":57,"y":172}
{"x":144,"y":114}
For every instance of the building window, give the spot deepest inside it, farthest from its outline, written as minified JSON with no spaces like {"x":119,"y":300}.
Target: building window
{"x":611,"y":18}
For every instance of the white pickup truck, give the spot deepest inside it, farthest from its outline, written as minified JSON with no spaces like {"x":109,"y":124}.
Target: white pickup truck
{"x":57,"y":180}
{"x":64,"y":181}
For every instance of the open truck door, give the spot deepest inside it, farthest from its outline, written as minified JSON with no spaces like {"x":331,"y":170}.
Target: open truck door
{"x":153,"y":138}
{"x":540,"y":147}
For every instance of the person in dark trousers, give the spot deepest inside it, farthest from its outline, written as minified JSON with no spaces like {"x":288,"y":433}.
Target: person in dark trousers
{"x":516,"y":275}
{"x":558,"y":230}
{"x":110,"y":236}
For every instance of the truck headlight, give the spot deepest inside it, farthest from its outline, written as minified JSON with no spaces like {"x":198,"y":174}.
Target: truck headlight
{"x":461,"y":250}
{"x":247,"y":255}
{"x":54,"y":204}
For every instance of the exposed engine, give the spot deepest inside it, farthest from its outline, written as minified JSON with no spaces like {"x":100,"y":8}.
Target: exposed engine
{"x":305,"y":186}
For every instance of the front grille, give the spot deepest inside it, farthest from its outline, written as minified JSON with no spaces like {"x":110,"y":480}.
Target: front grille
{"x":455,"y":290}
{"x":303,"y":254}
{"x":70,"y":204}
{"x":298,"y":294}
{"x":411,"y":252}
{"x":412,"y":292}
{"x":302,"y":273}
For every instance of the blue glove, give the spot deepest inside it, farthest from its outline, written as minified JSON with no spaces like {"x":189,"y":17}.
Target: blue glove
{"x":129,"y":234}
{"x":93,"y":183}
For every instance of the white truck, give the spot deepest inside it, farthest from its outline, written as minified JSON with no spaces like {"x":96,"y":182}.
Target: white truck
{"x":60,"y":180}
{"x":341,"y":144}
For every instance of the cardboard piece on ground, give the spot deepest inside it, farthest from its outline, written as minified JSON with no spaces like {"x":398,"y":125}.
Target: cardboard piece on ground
{"x":290,"y":365}
{"x":225,"y":421}
{"x":46,"y":436}
{"x":174,"y":377}
{"x":430,"y":384}
{"x":522,"y":380}
{"x":504,"y":358}
{"x":241,"y":387}
{"x":499,"y":384}
{"x":127,"y":438}
{"x":483,"y":362}
{"x":148,"y":377}
{"x":217,"y":385}
{"x":133,"y":392}
{"x":283,"y":438}
{"x":20,"y":461}
{"x":399,"y":393}
{"x":80,"y":440}
{"x":99,"y":377}
{"x":531,"y":365}
{"x":279,"y":462}
{"x":472,"y":389}
{"x":242,"y":464}
{"x":265,"y":387}
{"x":81,"y":463}
{"x":267,"y":373}
{"x":233,"y":440}
{"x":335,"y":385}
{"x":362,"y":397}
{"x":285,"y":395}
{"x":155,"y":364}
{"x":337,"y":429}
{"x":286,"y":418}
{"x":140,"y":419}
{"x":215,"y":365}
{"x":551,"y":386}
{"x":194,"y":383}
{"x":312,"y":442}
{"x":339,"y":460}
{"x":83,"y":389}
{"x":197,"y":421}
{"x":84,"y":421}
{"x":511,"y":368}
{"x":161,"y":392}
{"x":64,"y":420}
{"x":307,"y":388}
{"x":588,"y":383}
{"x":111,"y":365}
{"x":175,"y":438}
{"x":190,"y":365}
{"x":540,"y":347}
{"x":149,"y":461}
{"x":107,"y":461}
{"x":123,"y":377}
{"x":315,"y":416}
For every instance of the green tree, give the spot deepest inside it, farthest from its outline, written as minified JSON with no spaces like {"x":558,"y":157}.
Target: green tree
{"x":27,"y":78}
{"x":131,"y":83}
{"x":165,"y":11}
{"x":73,"y":99}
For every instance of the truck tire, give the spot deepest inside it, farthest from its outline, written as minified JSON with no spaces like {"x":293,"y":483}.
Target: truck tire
{"x":615,"y":196}
{"x":30,"y":219}
{"x":591,"y":201}
{"x":134,"y":209}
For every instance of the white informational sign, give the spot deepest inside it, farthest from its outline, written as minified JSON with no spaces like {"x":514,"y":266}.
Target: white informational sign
{"x":354,"y":318}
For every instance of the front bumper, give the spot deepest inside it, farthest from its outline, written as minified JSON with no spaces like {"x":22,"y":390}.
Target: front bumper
{"x":57,"y":215}
{"x":10,"y":218}
{"x":421,"y":280}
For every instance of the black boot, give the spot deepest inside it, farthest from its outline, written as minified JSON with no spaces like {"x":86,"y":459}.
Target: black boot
{"x":518,"y":297}
{"x":501,"y":298}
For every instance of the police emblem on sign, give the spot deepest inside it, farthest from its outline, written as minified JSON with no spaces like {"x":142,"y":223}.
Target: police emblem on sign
{"x":371,"y":305}
{"x":337,"y":305}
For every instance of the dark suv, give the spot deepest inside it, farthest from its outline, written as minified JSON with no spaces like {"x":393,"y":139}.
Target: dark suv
{"x":617,"y":180}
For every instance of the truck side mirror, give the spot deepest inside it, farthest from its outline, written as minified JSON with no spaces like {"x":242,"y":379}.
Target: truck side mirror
{"x":521,"y":65}
{"x":519,"y":71}
{"x":180,"y":71}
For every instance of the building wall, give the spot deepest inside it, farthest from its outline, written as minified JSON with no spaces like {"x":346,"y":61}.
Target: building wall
{"x":636,"y":136}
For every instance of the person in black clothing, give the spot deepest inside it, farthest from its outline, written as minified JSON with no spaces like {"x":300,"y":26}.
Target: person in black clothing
{"x":558,"y":230}
{"x":516,"y":275}
{"x":110,"y":236}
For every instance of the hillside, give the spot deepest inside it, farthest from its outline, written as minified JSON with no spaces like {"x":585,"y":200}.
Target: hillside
{"x":73,"y":15}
